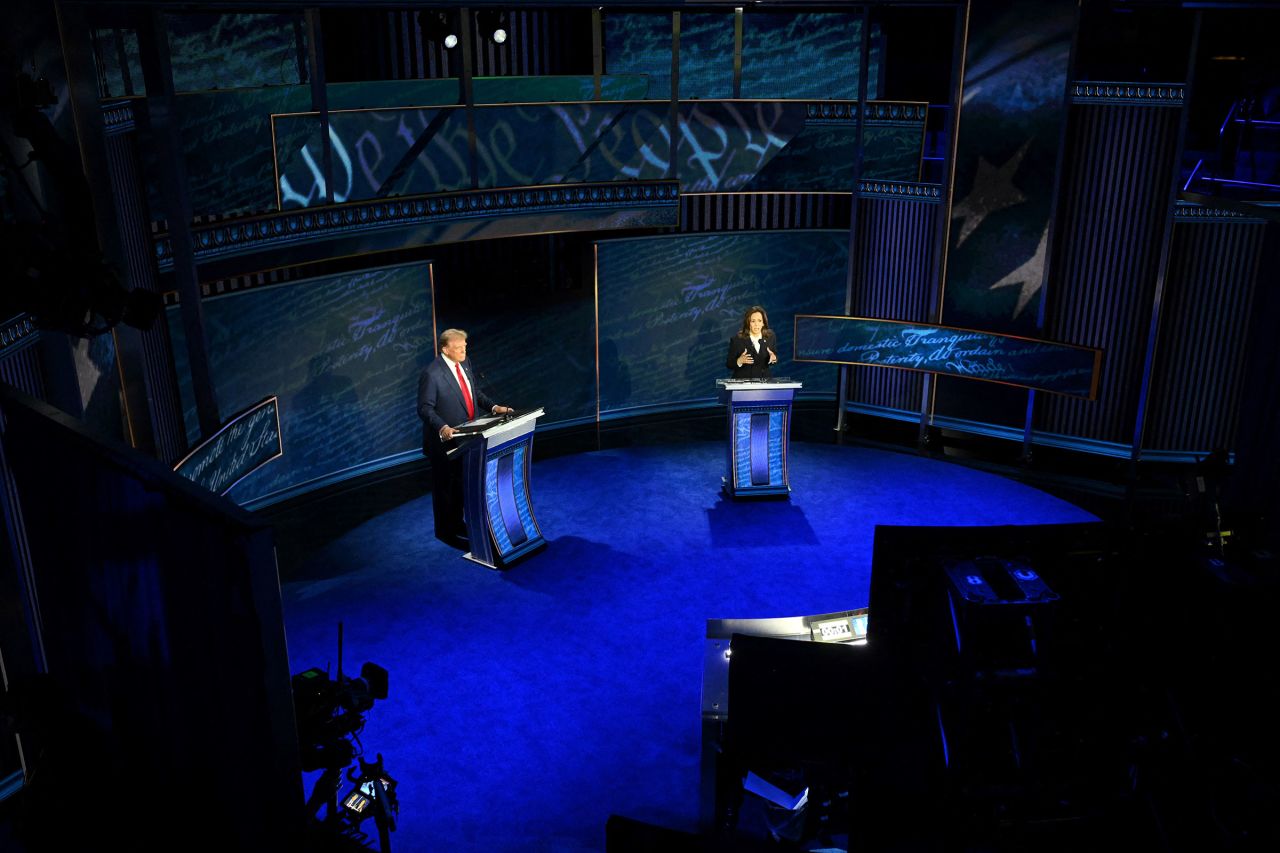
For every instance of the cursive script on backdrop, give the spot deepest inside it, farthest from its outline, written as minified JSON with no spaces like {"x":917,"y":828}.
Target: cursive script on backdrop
{"x":1043,"y":365}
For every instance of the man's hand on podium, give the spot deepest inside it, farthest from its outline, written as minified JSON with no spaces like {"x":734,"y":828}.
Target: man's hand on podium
{"x":448,"y":432}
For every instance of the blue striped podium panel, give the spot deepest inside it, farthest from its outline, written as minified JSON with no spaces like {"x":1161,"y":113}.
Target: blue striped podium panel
{"x":759,"y":435}
{"x":498,"y":510}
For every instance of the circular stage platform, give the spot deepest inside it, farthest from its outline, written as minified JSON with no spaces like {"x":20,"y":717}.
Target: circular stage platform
{"x":526,"y":706}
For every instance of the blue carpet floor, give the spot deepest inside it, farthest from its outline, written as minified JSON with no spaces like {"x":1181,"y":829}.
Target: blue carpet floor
{"x":527,"y":706}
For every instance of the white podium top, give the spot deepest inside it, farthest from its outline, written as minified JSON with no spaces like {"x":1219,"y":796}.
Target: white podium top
{"x":759,"y":384}
{"x":502,"y":428}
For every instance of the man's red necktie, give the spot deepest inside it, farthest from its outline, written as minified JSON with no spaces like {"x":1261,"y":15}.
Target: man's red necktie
{"x":466,"y":394}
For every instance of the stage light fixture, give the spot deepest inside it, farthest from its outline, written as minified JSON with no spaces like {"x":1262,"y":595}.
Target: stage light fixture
{"x":493,"y":23}
{"x":437,"y":25}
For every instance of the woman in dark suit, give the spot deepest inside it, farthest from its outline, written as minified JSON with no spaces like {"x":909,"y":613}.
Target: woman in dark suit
{"x":754,"y":348}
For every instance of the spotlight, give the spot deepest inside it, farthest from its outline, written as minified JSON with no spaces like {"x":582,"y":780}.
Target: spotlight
{"x":437,"y":25}
{"x":493,"y":23}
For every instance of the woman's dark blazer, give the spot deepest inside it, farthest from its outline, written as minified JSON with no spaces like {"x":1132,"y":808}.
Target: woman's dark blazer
{"x":759,"y":370}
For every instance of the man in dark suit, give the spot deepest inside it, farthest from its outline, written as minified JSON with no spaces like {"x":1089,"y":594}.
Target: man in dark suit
{"x":447,"y":397}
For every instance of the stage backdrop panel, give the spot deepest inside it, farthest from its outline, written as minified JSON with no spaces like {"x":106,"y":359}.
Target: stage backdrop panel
{"x":529,"y":351}
{"x":668,"y":306}
{"x":231,"y":51}
{"x":209,"y":51}
{"x":1006,"y":152}
{"x":706,"y":54}
{"x":723,"y":146}
{"x":640,"y":43}
{"x":829,"y":44}
{"x":1007,"y":149}
{"x":342,"y":353}
{"x":229,"y":136}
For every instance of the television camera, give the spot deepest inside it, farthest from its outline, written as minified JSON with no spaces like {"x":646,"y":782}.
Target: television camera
{"x":330,"y":716}
{"x":330,"y":713}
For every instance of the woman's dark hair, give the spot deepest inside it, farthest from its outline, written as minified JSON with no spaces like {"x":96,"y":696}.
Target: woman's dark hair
{"x":746,"y":320}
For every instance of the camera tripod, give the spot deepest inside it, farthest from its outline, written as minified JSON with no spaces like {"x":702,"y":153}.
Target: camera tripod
{"x":373,"y":795}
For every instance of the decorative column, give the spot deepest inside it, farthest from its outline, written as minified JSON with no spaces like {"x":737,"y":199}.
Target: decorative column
{"x":1122,"y":147}
{"x":153,"y":404}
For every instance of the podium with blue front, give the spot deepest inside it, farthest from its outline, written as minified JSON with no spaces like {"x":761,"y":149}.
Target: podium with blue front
{"x":496,"y":502}
{"x":759,"y":435}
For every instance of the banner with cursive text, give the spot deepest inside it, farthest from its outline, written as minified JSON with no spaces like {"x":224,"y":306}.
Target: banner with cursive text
{"x":989,"y":356}
{"x":245,"y":443}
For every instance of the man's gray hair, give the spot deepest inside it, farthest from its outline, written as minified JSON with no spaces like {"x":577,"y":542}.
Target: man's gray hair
{"x":448,"y":335}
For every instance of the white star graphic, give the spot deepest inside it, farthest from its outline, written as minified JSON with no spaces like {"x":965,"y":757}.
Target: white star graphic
{"x":993,"y":190}
{"x":1030,"y":275}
